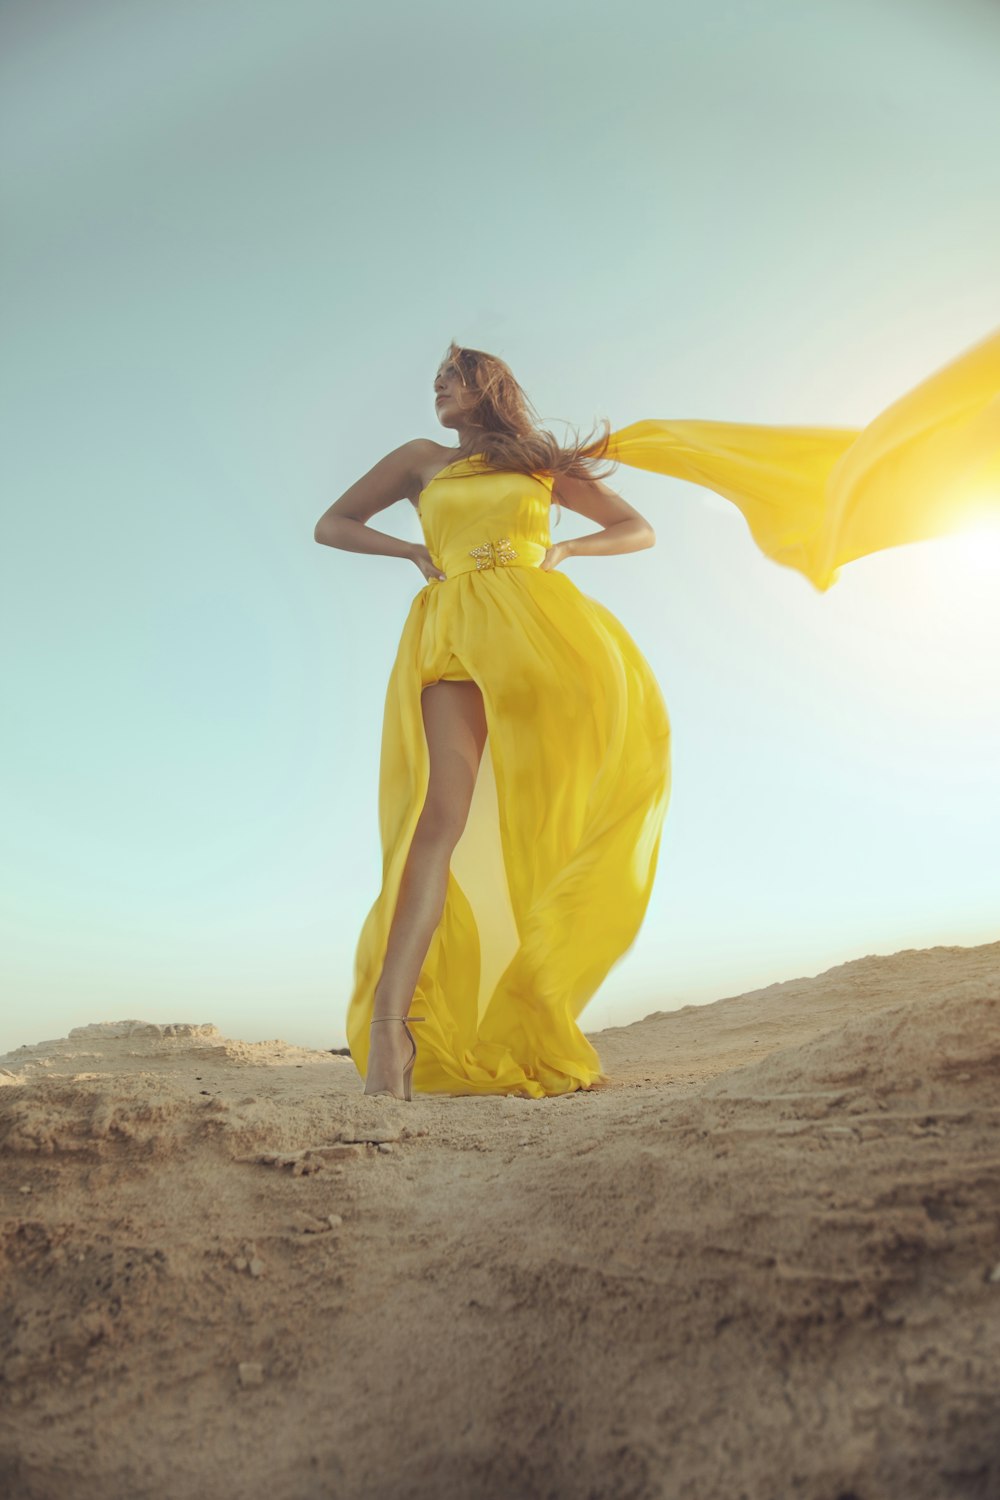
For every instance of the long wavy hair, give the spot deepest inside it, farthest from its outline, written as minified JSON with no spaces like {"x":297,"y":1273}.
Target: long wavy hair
{"x":511,"y":438}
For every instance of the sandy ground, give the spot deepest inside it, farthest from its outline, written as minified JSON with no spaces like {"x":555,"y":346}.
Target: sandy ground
{"x":764,"y":1262}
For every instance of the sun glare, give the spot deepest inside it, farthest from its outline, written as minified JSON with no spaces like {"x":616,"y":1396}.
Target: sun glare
{"x":979,"y":544}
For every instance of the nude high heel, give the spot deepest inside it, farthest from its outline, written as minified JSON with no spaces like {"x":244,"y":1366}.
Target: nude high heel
{"x":408,"y":1070}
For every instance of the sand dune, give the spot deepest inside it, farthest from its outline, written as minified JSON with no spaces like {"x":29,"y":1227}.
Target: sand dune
{"x":764,"y":1263}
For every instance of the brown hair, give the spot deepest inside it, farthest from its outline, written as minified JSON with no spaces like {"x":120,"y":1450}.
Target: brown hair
{"x":509,"y":438}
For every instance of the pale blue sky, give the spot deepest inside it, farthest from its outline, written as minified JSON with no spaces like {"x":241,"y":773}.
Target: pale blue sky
{"x":237,"y":240}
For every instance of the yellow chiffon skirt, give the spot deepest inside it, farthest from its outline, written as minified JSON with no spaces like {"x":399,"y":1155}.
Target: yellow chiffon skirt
{"x":551,"y":879}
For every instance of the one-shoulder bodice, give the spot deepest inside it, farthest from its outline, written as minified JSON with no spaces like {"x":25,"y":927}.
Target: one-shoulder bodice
{"x":476,"y":519}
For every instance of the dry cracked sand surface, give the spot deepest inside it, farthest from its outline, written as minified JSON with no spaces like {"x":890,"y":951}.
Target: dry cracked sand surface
{"x":763,"y":1264}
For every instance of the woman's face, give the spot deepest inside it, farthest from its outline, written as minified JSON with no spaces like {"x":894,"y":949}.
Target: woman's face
{"x":449,"y":396}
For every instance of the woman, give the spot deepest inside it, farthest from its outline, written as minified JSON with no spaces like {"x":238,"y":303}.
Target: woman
{"x":525,"y":763}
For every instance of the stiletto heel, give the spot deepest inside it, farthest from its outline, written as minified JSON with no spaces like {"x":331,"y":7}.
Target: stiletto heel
{"x":408,"y":1070}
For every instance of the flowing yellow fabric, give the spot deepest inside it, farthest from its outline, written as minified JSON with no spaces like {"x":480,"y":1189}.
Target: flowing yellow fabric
{"x":818,"y":497}
{"x":551,"y":879}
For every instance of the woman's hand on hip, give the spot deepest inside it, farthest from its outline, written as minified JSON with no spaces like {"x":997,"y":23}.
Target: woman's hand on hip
{"x":426,"y":564}
{"x":554,"y":556}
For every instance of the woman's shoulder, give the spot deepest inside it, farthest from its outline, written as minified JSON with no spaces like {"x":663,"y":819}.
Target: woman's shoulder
{"x":429,"y":459}
{"x":426,"y":457}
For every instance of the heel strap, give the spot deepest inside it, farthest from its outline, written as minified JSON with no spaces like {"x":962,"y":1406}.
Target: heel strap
{"x":398,"y":1018}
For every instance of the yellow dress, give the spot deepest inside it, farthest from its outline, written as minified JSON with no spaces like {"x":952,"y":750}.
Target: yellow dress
{"x":552,"y":876}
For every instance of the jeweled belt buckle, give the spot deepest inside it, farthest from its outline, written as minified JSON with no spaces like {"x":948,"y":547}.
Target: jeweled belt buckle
{"x":492,"y":553}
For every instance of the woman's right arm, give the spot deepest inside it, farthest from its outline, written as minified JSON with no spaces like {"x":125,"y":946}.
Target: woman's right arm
{"x":393,"y":478}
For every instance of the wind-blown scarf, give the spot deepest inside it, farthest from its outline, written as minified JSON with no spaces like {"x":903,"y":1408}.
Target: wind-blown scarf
{"x":815,"y":498}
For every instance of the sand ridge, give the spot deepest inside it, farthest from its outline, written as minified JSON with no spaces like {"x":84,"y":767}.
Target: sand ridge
{"x":765,"y":1261}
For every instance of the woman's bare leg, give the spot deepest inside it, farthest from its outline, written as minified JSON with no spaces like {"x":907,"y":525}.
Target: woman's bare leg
{"x":455,"y":726}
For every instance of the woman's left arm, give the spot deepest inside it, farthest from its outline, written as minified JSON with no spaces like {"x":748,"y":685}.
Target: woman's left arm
{"x":623,"y":528}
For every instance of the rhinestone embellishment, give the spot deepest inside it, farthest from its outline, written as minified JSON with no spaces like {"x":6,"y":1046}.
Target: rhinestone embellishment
{"x":492,"y":553}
